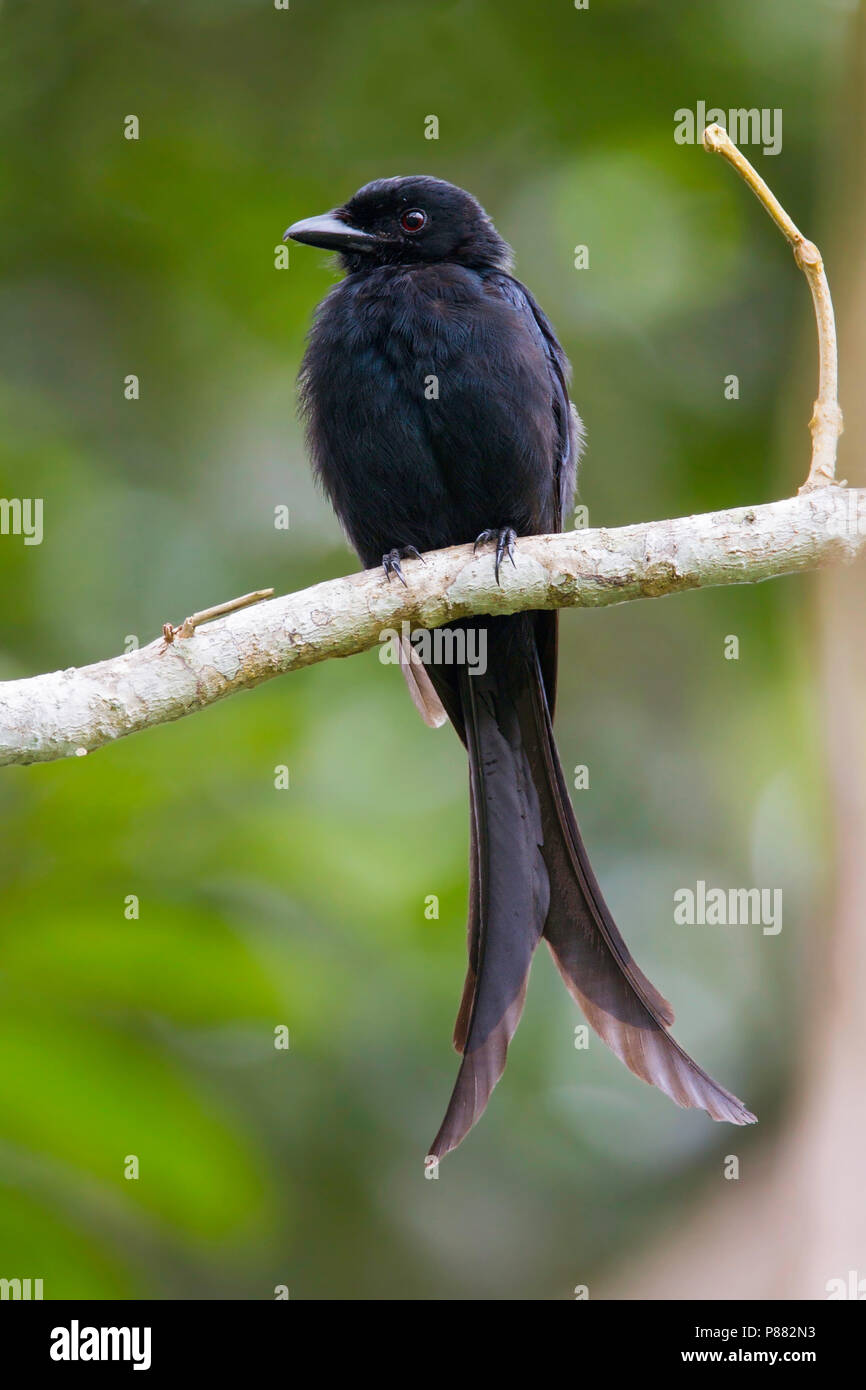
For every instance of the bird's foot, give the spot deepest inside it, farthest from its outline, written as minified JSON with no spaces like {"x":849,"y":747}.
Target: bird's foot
{"x":391,"y":562}
{"x":504,"y":536}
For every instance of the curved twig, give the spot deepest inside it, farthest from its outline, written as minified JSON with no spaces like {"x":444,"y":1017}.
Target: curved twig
{"x":826,"y":423}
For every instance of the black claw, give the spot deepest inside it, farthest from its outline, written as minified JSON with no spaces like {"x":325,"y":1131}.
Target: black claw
{"x":505,"y":536}
{"x":391,"y":565}
{"x":391,"y":562}
{"x":505,"y":546}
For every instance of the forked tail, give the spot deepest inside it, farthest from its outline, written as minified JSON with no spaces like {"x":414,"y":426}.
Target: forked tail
{"x":530,"y":877}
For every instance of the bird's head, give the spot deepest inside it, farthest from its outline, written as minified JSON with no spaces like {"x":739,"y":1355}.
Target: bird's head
{"x":407,"y":221}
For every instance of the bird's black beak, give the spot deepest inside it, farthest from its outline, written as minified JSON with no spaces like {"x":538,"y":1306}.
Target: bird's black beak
{"x":332,"y":232}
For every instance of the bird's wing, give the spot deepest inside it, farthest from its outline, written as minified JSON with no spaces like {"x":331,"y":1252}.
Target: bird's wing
{"x":570,"y":438}
{"x":569,"y":428}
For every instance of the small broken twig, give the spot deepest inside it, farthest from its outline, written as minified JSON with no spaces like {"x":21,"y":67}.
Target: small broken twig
{"x":188,"y":626}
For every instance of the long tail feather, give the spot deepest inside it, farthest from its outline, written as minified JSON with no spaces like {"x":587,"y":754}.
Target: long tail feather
{"x":619,"y":1002}
{"x":530,"y":876}
{"x":510,"y":899}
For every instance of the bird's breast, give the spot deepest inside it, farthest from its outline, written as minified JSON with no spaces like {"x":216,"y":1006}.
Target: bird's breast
{"x":410,"y":313}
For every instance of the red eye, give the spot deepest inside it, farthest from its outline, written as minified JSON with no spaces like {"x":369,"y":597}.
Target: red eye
{"x":413,"y":220}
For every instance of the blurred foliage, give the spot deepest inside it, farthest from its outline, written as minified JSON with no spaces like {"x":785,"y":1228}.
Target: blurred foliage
{"x":155,"y":1037}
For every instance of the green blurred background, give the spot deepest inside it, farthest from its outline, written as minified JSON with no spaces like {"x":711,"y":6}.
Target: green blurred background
{"x":261,"y":907}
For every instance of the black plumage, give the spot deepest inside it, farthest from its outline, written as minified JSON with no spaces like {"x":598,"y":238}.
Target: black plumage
{"x":435,"y":396}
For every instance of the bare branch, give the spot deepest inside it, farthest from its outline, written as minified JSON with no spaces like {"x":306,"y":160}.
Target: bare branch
{"x":78,"y":710}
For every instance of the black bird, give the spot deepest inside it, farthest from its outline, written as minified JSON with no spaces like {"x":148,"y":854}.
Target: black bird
{"x":437,"y":411}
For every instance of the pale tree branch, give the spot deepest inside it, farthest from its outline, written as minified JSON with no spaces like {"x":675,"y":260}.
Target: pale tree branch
{"x":236,"y":646}
{"x":67,"y":712}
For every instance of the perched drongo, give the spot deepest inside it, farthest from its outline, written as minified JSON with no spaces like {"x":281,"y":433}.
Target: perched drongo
{"x":437,"y":410}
